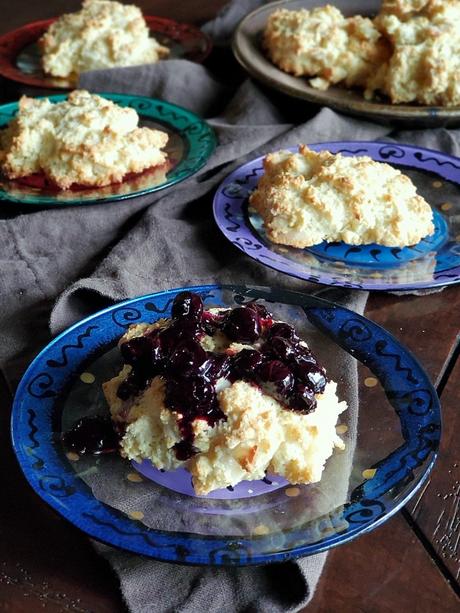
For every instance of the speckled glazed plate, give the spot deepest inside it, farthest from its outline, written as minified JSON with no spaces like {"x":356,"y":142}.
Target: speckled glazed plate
{"x":20,"y":56}
{"x":191,"y":142}
{"x":434,"y":262}
{"x":391,"y":442}
{"x":248,"y":51}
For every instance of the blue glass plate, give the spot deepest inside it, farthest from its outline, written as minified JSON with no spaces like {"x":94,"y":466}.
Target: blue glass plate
{"x":390,"y":445}
{"x":191,"y":143}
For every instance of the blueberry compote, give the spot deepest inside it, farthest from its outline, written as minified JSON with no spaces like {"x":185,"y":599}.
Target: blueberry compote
{"x":278,"y":362}
{"x":94,"y":435}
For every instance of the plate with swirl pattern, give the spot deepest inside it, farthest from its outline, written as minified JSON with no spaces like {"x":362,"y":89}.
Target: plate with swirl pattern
{"x":434,"y":262}
{"x":191,"y":143}
{"x":391,"y":432}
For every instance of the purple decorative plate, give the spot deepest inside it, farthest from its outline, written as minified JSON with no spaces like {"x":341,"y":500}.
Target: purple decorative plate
{"x":434,"y":262}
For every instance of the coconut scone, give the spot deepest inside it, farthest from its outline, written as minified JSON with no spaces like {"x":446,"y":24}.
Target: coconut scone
{"x":425,"y":61}
{"x":103,"y":34}
{"x":323,"y":44}
{"x":305,"y":198}
{"x":227,"y":394}
{"x":402,"y":8}
{"x":85,"y":140}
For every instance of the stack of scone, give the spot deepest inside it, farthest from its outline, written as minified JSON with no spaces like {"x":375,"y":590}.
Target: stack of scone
{"x":409,"y":52}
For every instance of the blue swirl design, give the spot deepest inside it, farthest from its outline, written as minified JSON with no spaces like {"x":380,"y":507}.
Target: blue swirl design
{"x":392,"y":151}
{"x":380,"y":346}
{"x":246,"y":244}
{"x":56,"y":486}
{"x":234,"y":554}
{"x":421,"y":157}
{"x":151,"y":306}
{"x":166,"y":308}
{"x":235,"y":226}
{"x":417,"y":402}
{"x":78,"y":345}
{"x":352,"y":151}
{"x":40,"y":386}
{"x":125,"y":316}
{"x":235,"y":190}
{"x":355,"y":330}
{"x":369,"y":510}
{"x":383,"y":258}
{"x":34,"y":444}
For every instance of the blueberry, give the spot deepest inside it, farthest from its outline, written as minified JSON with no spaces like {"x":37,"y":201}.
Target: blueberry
{"x":276,"y":373}
{"x":195,"y":395}
{"x":216,"y":366}
{"x":245,"y":363}
{"x":187,"y":358}
{"x":259,"y":309}
{"x":309,"y":372}
{"x":302,"y":399}
{"x":181,"y":329}
{"x":187,"y":304}
{"x":284,"y":331}
{"x":242,"y":325}
{"x":281,"y":348}
{"x":131,"y":386}
{"x":136,"y":350}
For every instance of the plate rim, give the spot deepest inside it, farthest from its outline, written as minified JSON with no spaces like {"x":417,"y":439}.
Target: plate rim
{"x":387,"y":111}
{"x":280,"y":556}
{"x":9,"y":70}
{"x":326,"y":279}
{"x":211,"y":144}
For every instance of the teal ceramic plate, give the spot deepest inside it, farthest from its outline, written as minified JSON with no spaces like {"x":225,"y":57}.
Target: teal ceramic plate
{"x":191,"y":143}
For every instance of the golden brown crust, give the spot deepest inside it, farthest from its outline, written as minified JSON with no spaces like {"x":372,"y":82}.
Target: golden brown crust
{"x":305,"y":198}
{"x":321,"y":43}
{"x":85,"y":140}
{"x":410,"y":52}
{"x":103,"y":34}
{"x":257,"y":435}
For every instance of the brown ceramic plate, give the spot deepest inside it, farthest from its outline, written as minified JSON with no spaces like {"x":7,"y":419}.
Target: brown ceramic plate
{"x":248,"y":51}
{"x":20,"y":56}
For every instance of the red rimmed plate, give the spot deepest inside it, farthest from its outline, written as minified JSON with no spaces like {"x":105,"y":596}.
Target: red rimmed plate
{"x":20,"y":56}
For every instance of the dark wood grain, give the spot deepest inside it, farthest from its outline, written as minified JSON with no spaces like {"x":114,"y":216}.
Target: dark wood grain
{"x":436,"y":510}
{"x":386,"y":571}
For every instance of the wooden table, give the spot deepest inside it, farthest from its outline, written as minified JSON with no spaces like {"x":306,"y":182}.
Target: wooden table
{"x":411,"y":564}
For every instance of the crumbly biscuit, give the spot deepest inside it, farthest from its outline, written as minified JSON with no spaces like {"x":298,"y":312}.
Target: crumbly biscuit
{"x":410,"y":52}
{"x":322,"y":43}
{"x":305,"y":198}
{"x":102,"y":34}
{"x":426,"y":55}
{"x":258,"y":434}
{"x":402,"y":8}
{"x":86,"y":140}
